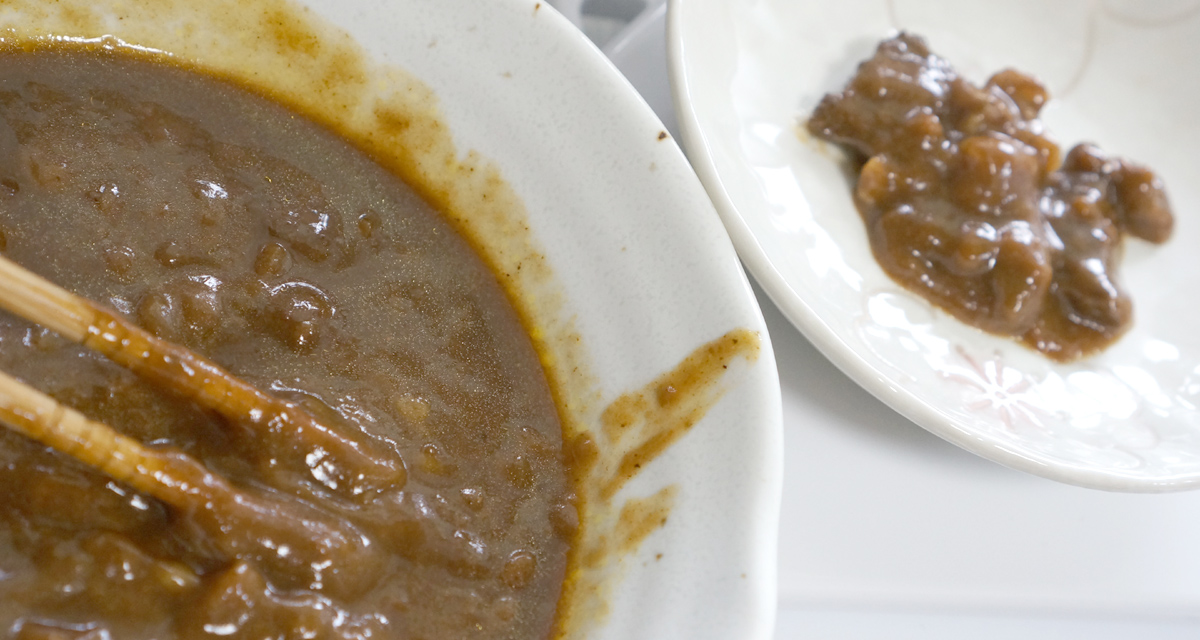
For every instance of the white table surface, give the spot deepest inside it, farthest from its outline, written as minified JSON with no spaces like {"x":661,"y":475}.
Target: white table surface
{"x":887,"y":532}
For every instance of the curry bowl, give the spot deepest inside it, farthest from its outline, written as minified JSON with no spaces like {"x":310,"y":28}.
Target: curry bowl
{"x":532,"y":148}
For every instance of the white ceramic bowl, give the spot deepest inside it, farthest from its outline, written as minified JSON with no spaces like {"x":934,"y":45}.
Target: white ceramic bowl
{"x":1120,"y":73}
{"x":640,"y":269}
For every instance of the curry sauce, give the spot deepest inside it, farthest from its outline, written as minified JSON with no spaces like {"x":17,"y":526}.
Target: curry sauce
{"x":227,"y":223}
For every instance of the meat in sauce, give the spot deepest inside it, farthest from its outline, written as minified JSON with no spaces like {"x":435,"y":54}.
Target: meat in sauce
{"x":969,"y":203}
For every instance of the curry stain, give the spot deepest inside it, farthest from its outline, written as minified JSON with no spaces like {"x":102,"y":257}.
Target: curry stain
{"x":644,"y":423}
{"x":631,"y":432}
{"x":285,"y":53}
{"x":641,"y":517}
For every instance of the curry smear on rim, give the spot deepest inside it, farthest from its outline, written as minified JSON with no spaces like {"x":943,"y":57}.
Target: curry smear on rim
{"x":283,"y":52}
{"x":634,"y":429}
{"x":641,"y":425}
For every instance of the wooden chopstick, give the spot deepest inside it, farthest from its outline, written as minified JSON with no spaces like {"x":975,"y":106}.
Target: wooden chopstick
{"x":294,"y":543}
{"x":38,"y":416}
{"x":352,"y":467}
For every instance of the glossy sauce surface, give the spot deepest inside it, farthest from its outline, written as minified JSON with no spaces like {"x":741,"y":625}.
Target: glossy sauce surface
{"x":219,"y":220}
{"x":968,"y":202}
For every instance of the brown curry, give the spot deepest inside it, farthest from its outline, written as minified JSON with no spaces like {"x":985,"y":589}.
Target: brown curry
{"x":969,"y":203}
{"x":220,"y":220}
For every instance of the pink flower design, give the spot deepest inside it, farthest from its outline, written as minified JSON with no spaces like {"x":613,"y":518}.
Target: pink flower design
{"x":998,"y":389}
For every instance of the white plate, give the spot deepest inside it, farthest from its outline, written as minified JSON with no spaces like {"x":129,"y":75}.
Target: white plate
{"x":1121,"y":74}
{"x":641,"y":265}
